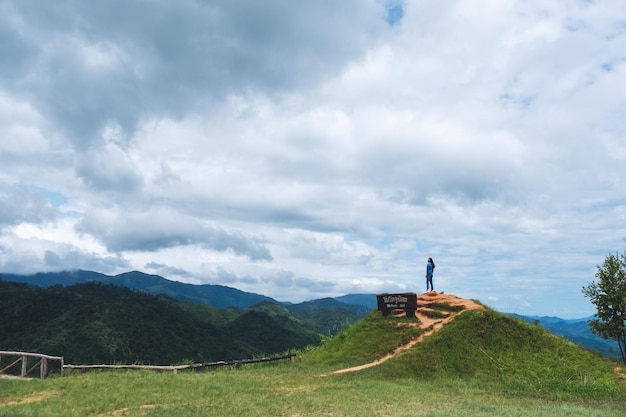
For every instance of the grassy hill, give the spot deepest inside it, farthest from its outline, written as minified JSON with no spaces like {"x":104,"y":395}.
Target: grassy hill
{"x":482,"y":363}
{"x":506,"y":352}
{"x":501,"y":351}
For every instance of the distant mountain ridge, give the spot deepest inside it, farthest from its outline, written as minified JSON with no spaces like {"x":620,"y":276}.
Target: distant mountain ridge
{"x":210,"y":294}
{"x":576,"y":330}
{"x":214,"y":295}
{"x":367,"y":300}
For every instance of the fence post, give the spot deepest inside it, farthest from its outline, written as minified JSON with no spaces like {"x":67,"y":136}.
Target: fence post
{"x":43,"y":368}
{"x":24,"y":370}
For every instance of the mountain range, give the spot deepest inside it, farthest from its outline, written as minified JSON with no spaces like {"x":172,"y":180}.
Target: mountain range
{"x":326,"y":315}
{"x":577,"y":331}
{"x":219,"y":296}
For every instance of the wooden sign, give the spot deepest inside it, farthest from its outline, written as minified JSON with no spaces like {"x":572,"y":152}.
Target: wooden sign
{"x":405,"y":301}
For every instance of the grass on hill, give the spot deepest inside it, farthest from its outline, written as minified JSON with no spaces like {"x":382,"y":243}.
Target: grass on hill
{"x":367,"y":340}
{"x":481,"y":364}
{"x":511,"y":355}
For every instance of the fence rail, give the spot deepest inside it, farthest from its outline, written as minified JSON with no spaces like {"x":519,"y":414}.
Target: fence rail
{"x":176,"y":368}
{"x":42,"y":362}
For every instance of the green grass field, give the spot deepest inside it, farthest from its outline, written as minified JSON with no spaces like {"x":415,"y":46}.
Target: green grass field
{"x":481,"y":364}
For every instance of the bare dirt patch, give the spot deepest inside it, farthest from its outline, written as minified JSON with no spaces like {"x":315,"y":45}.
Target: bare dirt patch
{"x":126,"y":410}
{"x":447,"y":305}
{"x":33,"y":398}
{"x":5,"y":376}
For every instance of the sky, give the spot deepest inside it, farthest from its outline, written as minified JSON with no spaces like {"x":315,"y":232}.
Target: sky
{"x":303,"y":150}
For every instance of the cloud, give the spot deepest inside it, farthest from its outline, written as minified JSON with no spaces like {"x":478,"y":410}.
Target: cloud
{"x":158,"y":228}
{"x":23,"y":204}
{"x":168,"y":271}
{"x":86,"y":65}
{"x":306,"y":150}
{"x":82,"y":260}
{"x":32,"y":255}
{"x":108,"y":167}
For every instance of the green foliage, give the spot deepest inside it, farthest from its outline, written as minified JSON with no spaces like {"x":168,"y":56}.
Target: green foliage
{"x":208,"y":314}
{"x":327,"y":322}
{"x":272,"y":331}
{"x":609,"y":296}
{"x":95,"y":323}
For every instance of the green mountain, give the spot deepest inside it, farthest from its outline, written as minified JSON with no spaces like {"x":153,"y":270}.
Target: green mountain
{"x":325,"y":316}
{"x":92,"y":323}
{"x":210,"y":294}
{"x":213,"y":295}
{"x":367,"y":300}
{"x":331,"y":304}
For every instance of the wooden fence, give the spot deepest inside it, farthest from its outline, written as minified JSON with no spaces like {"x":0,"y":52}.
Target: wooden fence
{"x":42,"y":362}
{"x":175,"y":368}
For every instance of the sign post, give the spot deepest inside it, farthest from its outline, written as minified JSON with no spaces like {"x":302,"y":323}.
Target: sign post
{"x":405,"y":301}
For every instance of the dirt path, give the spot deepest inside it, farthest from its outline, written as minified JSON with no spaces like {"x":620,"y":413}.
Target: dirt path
{"x":428,"y":324}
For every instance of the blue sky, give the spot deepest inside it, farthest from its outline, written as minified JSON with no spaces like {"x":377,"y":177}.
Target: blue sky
{"x":304,"y":150}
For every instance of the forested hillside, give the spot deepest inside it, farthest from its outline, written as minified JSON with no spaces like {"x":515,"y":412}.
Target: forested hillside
{"x":104,"y":323}
{"x":213,"y":295}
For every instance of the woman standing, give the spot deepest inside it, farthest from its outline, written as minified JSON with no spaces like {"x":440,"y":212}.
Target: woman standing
{"x":430,"y":268}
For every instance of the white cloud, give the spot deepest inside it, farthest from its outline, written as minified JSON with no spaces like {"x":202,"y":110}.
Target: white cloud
{"x":240,"y":144}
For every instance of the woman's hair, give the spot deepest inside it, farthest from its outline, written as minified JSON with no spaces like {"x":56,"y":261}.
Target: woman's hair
{"x":432,"y":262}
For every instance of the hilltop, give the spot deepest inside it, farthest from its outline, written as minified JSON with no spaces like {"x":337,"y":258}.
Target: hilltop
{"x":455,"y":338}
{"x":435,"y":309}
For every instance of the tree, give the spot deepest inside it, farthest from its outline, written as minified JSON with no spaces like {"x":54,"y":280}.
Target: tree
{"x":609,"y":296}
